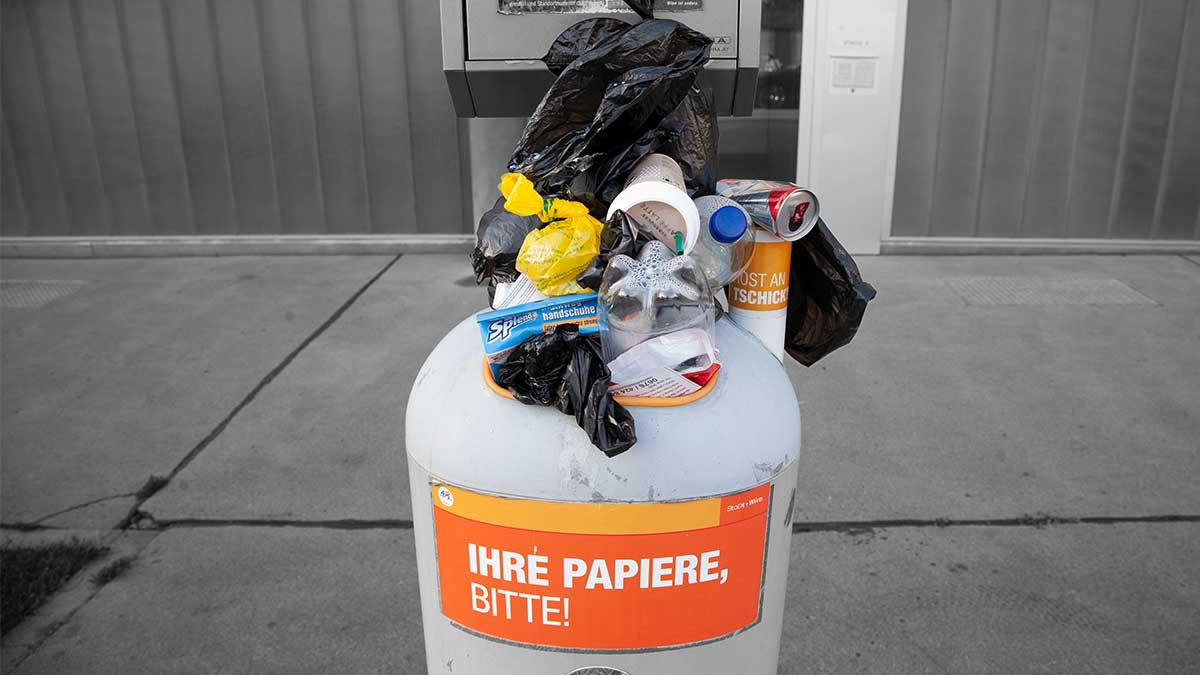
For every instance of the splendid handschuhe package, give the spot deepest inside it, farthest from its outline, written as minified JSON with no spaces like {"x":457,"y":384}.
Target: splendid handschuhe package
{"x":504,"y":329}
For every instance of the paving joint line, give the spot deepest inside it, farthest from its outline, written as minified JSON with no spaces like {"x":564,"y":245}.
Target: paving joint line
{"x":1191,"y":260}
{"x":343,"y":524}
{"x":797,"y":528}
{"x":135,"y":512}
{"x":1037,"y":521}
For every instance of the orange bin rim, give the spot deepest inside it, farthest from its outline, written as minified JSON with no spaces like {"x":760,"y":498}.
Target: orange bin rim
{"x":627,"y":401}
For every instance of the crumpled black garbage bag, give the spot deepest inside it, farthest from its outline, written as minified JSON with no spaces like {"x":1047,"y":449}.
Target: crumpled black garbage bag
{"x":579,"y":38}
{"x":606,"y":99}
{"x":644,"y":8}
{"x":498,"y":240}
{"x":566,"y":370}
{"x":688,"y":135}
{"x":584,"y":393}
{"x":827,"y":297}
{"x":617,"y":238}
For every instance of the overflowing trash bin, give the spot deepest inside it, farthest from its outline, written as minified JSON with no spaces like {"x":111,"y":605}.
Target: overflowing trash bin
{"x":603,"y":464}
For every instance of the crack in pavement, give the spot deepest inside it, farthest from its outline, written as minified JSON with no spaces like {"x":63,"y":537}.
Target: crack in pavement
{"x":80,"y":506}
{"x":135,"y":513}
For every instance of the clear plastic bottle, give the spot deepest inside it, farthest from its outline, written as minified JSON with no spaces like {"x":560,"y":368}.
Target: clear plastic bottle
{"x":726,"y":241}
{"x":656,"y":294}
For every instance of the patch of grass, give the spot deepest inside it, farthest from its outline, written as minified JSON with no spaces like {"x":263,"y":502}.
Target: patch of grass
{"x":112,"y":570}
{"x":30,"y":574}
{"x":153,"y":484}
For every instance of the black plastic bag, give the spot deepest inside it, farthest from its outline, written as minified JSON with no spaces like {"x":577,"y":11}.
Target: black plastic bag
{"x":617,"y":238}
{"x":688,"y":135}
{"x":644,"y":8}
{"x":827,"y":297}
{"x":534,"y":369}
{"x":498,"y":240}
{"x":565,"y":370}
{"x":605,"y":100}
{"x":579,"y":38}
{"x":584,"y":393}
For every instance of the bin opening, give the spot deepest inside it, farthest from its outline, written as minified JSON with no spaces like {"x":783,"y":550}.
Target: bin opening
{"x":627,"y":401}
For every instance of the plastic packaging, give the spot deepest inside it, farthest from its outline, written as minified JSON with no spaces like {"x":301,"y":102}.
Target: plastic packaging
{"x":655,"y":294}
{"x":726,"y":242}
{"x":617,"y":238}
{"x":659,"y":367}
{"x":498,"y":240}
{"x":578,"y":38}
{"x":828,"y":297}
{"x":564,"y":369}
{"x":688,"y":135}
{"x":605,"y":101}
{"x":513,"y":293}
{"x":786,"y":209}
{"x":553,"y":256}
{"x":758,"y":297}
{"x":656,"y":200}
{"x":503,"y":330}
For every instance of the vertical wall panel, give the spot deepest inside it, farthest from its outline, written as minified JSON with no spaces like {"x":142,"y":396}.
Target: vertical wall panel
{"x":965,"y":102}
{"x":339,"y":114}
{"x":28,"y":124}
{"x":70,"y":116}
{"x":12,"y":208}
{"x":156,"y":115}
{"x":1179,"y":210}
{"x":1098,"y":144}
{"x":293,"y":123}
{"x":386,"y":120}
{"x":171,"y":117}
{"x":920,"y":116}
{"x":1068,"y":36}
{"x":1076,"y":118}
{"x":1013,"y":106}
{"x":111,"y":104}
{"x":243,"y":90}
{"x":201,"y":115}
{"x":1151,"y":94}
{"x":435,"y":134}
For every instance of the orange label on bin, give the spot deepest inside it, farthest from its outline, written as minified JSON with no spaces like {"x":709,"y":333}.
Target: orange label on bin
{"x":763,"y":286}
{"x":601,"y":576}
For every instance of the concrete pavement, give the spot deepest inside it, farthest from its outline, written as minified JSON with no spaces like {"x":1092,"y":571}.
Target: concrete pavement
{"x":120,"y":379}
{"x":1079,"y":402}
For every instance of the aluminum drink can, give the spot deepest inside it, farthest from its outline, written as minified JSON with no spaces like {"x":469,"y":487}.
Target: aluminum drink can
{"x":786,"y":209}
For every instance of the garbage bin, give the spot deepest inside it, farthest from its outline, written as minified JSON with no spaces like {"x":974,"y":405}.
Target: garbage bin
{"x":537,"y":554}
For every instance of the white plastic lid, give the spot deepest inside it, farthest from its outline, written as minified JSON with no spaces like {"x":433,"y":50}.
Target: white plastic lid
{"x":653,"y":196}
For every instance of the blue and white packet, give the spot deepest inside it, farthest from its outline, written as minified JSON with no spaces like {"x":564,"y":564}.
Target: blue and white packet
{"x":503,"y":329}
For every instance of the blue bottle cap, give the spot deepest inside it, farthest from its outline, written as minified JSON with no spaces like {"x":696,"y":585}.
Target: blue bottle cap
{"x":727,"y":224}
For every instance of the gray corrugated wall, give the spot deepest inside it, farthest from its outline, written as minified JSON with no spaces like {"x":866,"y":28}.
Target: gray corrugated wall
{"x":1050,"y":118}
{"x":177,"y":117}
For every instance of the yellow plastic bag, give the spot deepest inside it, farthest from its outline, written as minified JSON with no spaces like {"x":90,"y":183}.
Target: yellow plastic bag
{"x":553,"y":256}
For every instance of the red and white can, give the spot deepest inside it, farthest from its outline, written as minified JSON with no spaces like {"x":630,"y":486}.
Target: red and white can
{"x":786,"y":209}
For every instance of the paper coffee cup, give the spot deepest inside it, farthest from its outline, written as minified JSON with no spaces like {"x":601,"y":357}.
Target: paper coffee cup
{"x":656,"y":200}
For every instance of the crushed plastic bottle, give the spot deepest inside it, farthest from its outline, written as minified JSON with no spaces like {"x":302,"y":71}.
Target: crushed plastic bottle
{"x":726,"y":241}
{"x":656,"y":294}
